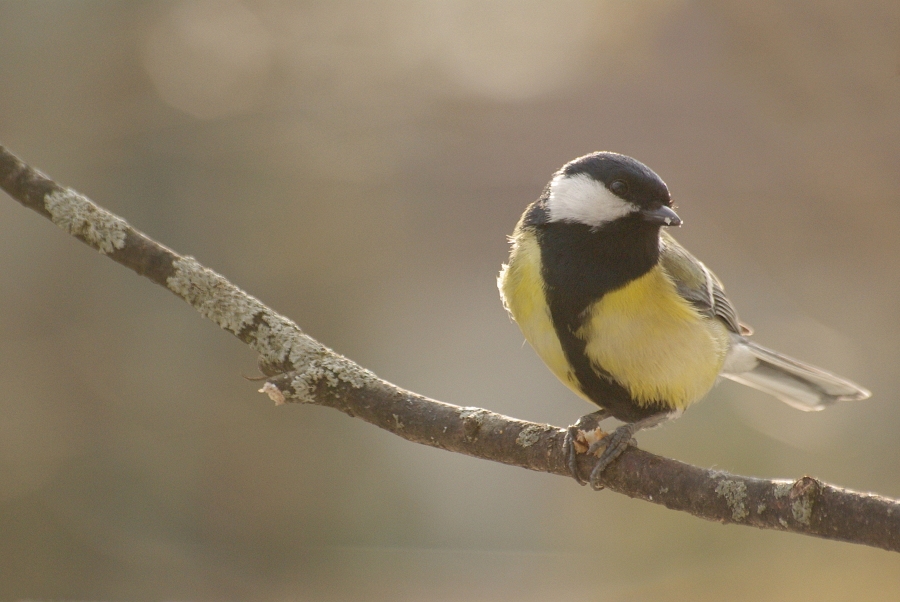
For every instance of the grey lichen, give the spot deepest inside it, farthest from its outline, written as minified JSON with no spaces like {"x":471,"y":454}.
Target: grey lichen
{"x":333,"y":369}
{"x":735,"y":494}
{"x":77,"y":215}
{"x":328,"y":367}
{"x":802,"y":510}
{"x":529,"y":435}
{"x":213,"y":296}
{"x":476,"y":415}
{"x":278,"y":340}
{"x":781,"y":489}
{"x":473,"y":421}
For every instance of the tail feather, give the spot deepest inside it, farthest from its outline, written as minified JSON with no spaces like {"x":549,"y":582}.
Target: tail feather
{"x":797,"y":384}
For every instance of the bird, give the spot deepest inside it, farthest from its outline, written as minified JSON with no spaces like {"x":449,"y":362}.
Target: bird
{"x":626,"y":317}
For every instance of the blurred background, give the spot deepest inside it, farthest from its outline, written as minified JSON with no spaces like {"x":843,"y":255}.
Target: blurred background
{"x":357,"y":166}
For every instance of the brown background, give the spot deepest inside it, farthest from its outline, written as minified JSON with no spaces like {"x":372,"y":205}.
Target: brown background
{"x":357,"y":166}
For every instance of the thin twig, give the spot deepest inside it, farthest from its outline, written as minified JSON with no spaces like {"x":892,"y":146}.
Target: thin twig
{"x":305,"y":371}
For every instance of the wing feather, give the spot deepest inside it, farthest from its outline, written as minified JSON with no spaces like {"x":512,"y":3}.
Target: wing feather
{"x":697,"y":284}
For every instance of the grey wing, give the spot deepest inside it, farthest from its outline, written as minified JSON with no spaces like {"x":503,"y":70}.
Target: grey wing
{"x":798,"y":384}
{"x":697,"y":284}
{"x":723,"y":309}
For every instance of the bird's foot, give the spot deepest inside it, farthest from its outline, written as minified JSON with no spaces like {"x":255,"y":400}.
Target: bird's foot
{"x":615,"y":443}
{"x":580,"y":437}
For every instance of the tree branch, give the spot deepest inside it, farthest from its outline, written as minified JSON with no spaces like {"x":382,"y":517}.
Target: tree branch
{"x":302,"y":370}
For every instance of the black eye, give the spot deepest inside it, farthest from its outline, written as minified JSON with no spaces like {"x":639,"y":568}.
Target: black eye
{"x":619,"y":188}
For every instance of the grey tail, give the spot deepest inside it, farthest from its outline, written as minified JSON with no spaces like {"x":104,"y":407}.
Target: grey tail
{"x":799,"y":385}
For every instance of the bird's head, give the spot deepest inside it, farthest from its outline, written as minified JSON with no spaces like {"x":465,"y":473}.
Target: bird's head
{"x":602,"y":188}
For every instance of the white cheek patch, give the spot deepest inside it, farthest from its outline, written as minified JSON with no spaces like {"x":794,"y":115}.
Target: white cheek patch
{"x":581,"y":198}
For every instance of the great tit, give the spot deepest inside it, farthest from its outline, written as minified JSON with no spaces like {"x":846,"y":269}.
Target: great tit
{"x":626,"y":317}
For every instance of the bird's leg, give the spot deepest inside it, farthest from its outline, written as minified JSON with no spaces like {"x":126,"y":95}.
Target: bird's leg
{"x":588,"y":422}
{"x":616,"y":443}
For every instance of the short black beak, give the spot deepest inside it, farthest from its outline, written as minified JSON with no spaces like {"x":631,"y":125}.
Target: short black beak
{"x":662,"y":215}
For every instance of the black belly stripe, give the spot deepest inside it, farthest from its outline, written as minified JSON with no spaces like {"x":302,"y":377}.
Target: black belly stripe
{"x":579,"y":265}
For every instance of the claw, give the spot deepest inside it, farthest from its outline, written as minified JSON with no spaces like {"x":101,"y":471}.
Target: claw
{"x":618,"y":441}
{"x":615,"y":443}
{"x":577,"y":441}
{"x":571,"y":447}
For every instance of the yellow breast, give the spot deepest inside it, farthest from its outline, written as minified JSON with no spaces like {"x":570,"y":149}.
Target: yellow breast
{"x":521,"y":288}
{"x":647,"y":337}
